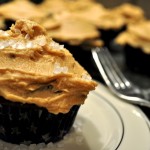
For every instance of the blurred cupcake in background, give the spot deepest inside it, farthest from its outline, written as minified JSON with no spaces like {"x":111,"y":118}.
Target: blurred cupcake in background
{"x":110,"y":25}
{"x":122,"y":16}
{"x":74,"y":16}
{"x":100,"y":17}
{"x":80,"y":25}
{"x":136,"y":42}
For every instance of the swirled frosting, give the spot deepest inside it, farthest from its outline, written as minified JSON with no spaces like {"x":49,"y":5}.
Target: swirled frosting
{"x":36,"y":70}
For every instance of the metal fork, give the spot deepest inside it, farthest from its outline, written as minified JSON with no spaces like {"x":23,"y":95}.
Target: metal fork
{"x":116,"y":81}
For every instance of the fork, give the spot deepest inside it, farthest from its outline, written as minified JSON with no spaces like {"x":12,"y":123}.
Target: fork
{"x":116,"y":81}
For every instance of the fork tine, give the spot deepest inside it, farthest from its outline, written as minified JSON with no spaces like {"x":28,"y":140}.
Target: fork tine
{"x":108,"y":77}
{"x":116,"y":68}
{"x":99,"y":65}
{"x":131,"y":94}
{"x":108,"y":67}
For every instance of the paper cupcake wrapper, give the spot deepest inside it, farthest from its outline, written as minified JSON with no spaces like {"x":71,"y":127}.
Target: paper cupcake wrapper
{"x":26,"y":123}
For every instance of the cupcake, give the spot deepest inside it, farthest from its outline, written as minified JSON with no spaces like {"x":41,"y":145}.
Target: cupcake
{"x":102,"y":18}
{"x":122,"y":15}
{"x":129,"y":13}
{"x":68,"y":18}
{"x":108,"y":29}
{"x":136,"y":42}
{"x":41,"y":85}
{"x":87,"y":10}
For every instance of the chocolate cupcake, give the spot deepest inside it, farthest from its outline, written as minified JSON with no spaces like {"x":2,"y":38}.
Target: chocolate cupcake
{"x":99,"y":16}
{"x":129,"y":14}
{"x":110,"y":25}
{"x":41,"y":86}
{"x":116,"y":20}
{"x":136,"y":42}
{"x":102,"y":18}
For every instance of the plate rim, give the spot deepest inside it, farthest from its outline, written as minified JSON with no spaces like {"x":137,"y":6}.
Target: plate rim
{"x":119,"y":115}
{"x":102,"y":88}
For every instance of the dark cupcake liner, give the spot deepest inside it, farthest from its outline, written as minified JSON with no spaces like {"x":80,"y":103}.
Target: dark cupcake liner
{"x":136,"y":60}
{"x":28,"y":123}
{"x":108,"y":36}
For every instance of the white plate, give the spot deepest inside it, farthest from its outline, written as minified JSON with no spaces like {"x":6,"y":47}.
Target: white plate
{"x":105,"y":122}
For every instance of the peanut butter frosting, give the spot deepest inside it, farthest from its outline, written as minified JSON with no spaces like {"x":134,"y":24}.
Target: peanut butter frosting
{"x":48,"y":21}
{"x":35,"y":69}
{"x":137,"y":35}
{"x":74,"y":30}
{"x":80,"y":29}
{"x":87,"y":10}
{"x":110,"y":21}
{"x":53,"y":6}
{"x":83,"y":18}
{"x":20,"y":9}
{"x":96,"y":14}
{"x":131,"y":13}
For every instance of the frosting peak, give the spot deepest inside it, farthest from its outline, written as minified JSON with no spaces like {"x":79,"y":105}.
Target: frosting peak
{"x":26,"y":27}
